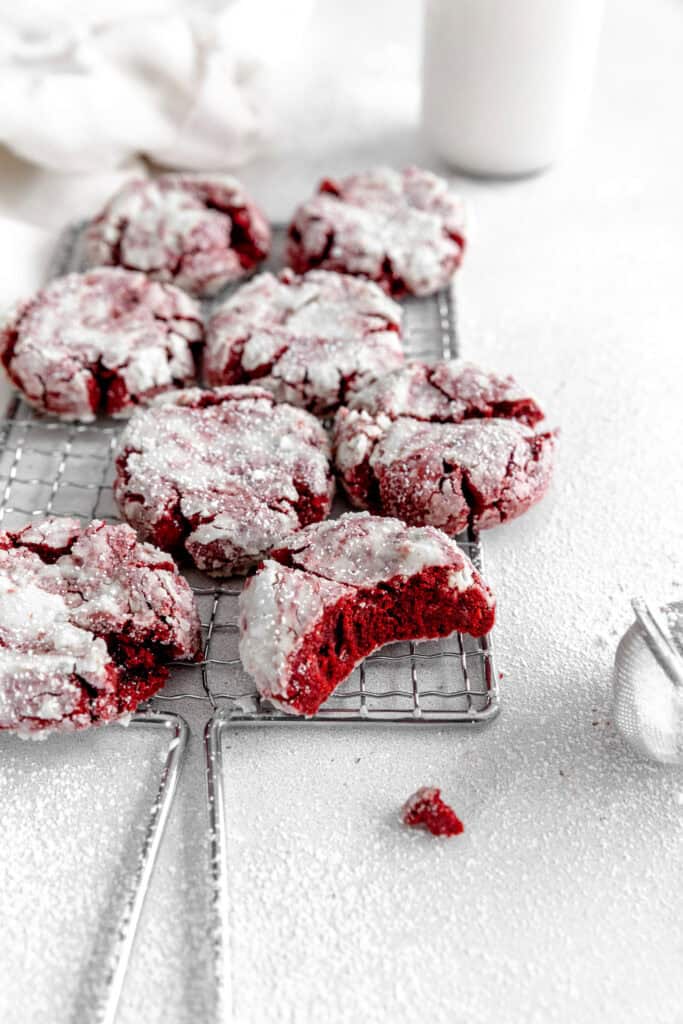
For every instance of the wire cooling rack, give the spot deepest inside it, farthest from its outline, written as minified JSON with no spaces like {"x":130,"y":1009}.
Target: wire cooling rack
{"x":48,"y":467}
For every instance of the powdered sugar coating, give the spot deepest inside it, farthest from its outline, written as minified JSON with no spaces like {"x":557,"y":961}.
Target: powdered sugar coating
{"x":338,"y":590}
{"x":85,"y":615}
{"x":402,"y":229}
{"x":456,"y":459}
{"x":312,"y":340}
{"x":224,"y":474}
{"x":194,"y":231}
{"x":361,"y":550}
{"x":100,"y":342}
{"x":278,"y":606}
{"x":448,"y":391}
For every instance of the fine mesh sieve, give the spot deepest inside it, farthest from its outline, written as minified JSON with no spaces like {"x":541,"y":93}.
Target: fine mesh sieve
{"x":648,"y":682}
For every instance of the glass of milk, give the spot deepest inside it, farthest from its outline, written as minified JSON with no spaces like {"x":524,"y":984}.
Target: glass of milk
{"x":506,"y":83}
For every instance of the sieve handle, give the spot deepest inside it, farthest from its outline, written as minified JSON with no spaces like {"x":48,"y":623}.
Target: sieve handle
{"x":658,"y":639}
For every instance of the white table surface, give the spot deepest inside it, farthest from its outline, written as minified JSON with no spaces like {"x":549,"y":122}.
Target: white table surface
{"x":562,"y":901}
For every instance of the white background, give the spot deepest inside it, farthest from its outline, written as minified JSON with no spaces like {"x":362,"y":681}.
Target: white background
{"x":562,"y":901}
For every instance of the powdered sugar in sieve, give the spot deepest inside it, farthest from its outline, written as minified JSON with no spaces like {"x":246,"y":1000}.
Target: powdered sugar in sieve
{"x":648,"y":682}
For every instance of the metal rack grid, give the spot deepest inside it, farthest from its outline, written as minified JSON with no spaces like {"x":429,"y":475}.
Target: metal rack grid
{"x":49,"y":467}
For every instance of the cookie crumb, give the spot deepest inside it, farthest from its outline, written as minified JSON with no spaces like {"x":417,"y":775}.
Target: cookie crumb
{"x":426,"y":809}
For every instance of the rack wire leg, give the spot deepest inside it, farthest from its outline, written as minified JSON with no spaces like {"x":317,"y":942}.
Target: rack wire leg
{"x":151,"y":844}
{"x":213,"y":748}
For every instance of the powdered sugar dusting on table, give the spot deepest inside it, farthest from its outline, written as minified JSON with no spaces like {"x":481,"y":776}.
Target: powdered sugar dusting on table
{"x":71,"y":814}
{"x":403,"y":915}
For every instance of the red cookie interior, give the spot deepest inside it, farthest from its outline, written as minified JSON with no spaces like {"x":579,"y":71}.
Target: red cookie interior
{"x":222,"y":475}
{"x":342,"y":589}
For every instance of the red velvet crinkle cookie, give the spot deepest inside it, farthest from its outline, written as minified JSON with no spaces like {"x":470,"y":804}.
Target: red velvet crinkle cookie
{"x":223,"y":475}
{"x":338,"y":590}
{"x":311,"y":340}
{"x":447,"y":445}
{"x":196,"y":232}
{"x":88,"y":616}
{"x":402,"y":229}
{"x":100,"y":343}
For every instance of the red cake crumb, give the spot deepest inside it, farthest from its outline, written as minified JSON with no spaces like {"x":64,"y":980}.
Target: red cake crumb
{"x":192,"y":230}
{"x":338,"y":590}
{"x":448,"y":444}
{"x":425,"y":809}
{"x":222,"y":475}
{"x":101,"y":343}
{"x":311,"y":340}
{"x":402,"y":229}
{"x":88,"y":618}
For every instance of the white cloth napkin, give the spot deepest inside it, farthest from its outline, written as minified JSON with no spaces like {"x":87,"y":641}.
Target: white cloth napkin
{"x":89,"y":85}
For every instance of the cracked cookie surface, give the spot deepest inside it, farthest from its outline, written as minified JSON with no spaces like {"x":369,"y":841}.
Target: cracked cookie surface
{"x":446,"y":444}
{"x":311,"y":340}
{"x":196,"y":231}
{"x":88,"y":616}
{"x":222,"y":475}
{"x":338,"y":590}
{"x":100,"y":343}
{"x":401,"y":229}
